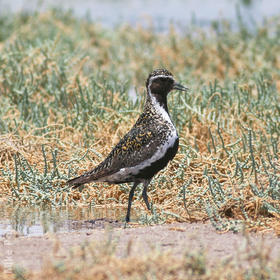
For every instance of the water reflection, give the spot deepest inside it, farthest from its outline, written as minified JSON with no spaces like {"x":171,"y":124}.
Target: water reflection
{"x":34,"y":221}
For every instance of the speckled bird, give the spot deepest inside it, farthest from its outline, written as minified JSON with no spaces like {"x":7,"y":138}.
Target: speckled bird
{"x":147,"y":148}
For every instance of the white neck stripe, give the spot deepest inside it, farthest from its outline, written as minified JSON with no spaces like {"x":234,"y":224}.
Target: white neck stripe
{"x":160,"y":76}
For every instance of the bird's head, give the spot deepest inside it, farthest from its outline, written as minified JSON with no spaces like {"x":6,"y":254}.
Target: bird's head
{"x":161,"y":82}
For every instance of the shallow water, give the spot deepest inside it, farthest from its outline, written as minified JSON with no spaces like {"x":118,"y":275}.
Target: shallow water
{"x":37,"y":221}
{"x":181,"y":12}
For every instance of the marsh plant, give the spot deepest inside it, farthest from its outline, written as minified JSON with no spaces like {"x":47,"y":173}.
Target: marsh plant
{"x":64,"y":87}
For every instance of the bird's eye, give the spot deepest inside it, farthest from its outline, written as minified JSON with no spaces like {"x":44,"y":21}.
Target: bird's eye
{"x":161,"y":80}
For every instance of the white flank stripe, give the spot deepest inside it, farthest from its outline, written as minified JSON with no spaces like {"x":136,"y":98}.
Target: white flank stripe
{"x":161,"y":151}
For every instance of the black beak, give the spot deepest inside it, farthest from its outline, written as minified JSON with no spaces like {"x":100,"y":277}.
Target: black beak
{"x":179,"y":87}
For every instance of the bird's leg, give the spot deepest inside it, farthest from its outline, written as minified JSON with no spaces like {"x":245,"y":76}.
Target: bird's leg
{"x":144,"y":194}
{"x":131,"y":194}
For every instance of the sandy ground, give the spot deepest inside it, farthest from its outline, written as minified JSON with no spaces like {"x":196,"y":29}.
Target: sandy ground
{"x":30,"y":252}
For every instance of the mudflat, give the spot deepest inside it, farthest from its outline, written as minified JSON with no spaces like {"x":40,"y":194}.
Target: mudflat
{"x":30,"y":252}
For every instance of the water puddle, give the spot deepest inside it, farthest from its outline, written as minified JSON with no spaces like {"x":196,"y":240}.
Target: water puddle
{"x":36,"y":221}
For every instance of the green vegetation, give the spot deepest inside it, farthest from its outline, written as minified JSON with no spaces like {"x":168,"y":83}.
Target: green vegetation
{"x":64,"y":86}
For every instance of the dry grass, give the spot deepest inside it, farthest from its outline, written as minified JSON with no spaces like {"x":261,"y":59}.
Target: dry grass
{"x":64,"y":105}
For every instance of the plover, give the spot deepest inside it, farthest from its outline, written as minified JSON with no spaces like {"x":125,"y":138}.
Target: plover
{"x":147,"y":148}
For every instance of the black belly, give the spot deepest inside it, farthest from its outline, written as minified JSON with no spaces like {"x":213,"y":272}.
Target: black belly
{"x":149,"y":171}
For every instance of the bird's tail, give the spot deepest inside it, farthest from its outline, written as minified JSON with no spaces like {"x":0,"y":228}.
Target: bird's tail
{"x":80,"y":180}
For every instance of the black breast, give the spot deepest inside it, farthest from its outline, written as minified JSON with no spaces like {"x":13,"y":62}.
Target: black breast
{"x":149,"y":171}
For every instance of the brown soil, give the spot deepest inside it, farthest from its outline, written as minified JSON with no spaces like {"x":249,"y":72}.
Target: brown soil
{"x":30,"y":252}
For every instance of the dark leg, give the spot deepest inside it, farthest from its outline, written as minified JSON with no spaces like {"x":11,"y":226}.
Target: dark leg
{"x":144,"y":193}
{"x":131,"y":194}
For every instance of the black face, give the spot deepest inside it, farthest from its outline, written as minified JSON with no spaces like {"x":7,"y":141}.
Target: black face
{"x":160,"y":82}
{"x":161,"y":85}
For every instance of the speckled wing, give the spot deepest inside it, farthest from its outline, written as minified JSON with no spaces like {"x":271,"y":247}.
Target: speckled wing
{"x":135,"y":147}
{"x":138,"y":145}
